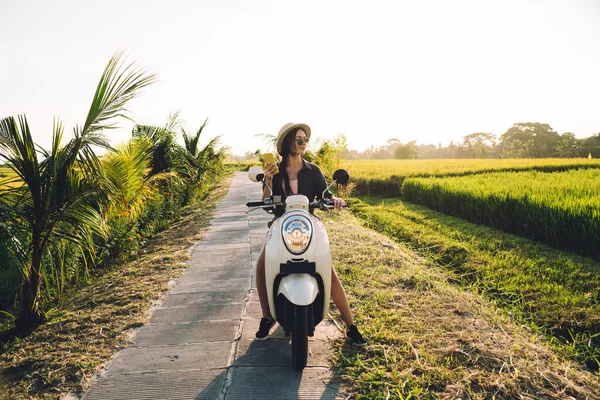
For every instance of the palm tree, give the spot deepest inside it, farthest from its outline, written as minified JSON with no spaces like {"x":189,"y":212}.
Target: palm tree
{"x":59,"y":194}
{"x":199,"y":167}
{"x":164,"y":145}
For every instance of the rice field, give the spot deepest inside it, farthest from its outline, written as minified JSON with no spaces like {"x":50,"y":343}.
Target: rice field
{"x":5,"y":175}
{"x":558,"y":208}
{"x":554,"y":202}
{"x":385,"y":177}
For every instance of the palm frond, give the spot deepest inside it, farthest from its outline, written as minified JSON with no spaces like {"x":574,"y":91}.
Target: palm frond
{"x":19,"y":149}
{"x":144,"y":131}
{"x":174,"y":121}
{"x":191,"y":142}
{"x":270,"y":139}
{"x":82,"y":215}
{"x":126,"y":176}
{"x":119,"y":84}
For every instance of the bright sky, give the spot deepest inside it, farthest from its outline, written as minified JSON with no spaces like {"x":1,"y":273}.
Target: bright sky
{"x":433,"y":71}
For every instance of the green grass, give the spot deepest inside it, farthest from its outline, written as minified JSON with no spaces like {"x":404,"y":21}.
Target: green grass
{"x":386,"y":177}
{"x":429,"y":338}
{"x":560,"y":208}
{"x":553,"y":291}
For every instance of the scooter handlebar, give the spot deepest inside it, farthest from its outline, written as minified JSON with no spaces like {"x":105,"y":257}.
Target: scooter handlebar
{"x":255,"y":204}
{"x":323,"y":205}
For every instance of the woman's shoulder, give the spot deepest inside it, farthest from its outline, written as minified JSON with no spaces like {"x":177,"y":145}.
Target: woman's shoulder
{"x":310,"y":165}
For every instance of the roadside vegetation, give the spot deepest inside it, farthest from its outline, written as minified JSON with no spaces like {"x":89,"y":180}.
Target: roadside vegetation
{"x":89,"y":243}
{"x":433,"y":332}
{"x":89,"y":325}
{"x":69,"y":216}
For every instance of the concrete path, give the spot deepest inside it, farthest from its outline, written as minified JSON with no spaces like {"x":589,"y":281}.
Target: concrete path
{"x":199,"y":343}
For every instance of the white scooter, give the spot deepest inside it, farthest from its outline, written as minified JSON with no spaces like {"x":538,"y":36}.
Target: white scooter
{"x":297,"y":265}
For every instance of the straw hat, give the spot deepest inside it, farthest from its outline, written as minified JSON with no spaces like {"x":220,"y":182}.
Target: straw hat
{"x":287,"y":128}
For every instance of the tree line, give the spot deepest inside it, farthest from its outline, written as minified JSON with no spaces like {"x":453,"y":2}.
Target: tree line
{"x":522,"y":140}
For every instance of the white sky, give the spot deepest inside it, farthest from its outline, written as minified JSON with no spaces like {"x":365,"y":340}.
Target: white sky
{"x":433,"y":71}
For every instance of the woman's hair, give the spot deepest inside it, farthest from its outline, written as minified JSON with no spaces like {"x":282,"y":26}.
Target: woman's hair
{"x":287,"y":148}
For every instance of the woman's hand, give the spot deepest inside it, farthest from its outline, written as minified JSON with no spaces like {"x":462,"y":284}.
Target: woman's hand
{"x":270,"y":171}
{"x":338,"y":203}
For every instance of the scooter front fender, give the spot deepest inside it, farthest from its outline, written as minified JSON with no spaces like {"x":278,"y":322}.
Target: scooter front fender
{"x":299,"y":289}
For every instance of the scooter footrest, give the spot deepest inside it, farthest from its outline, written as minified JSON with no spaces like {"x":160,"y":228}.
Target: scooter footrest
{"x":302,"y":267}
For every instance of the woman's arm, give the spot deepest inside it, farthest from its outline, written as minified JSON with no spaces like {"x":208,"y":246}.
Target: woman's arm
{"x":322,"y":185}
{"x":270,"y":169}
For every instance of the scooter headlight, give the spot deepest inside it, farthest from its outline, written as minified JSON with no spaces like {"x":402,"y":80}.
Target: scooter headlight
{"x":297,"y":232}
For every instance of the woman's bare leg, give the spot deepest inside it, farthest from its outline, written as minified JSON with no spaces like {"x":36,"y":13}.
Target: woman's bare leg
{"x":261,"y":284}
{"x":338,"y":295}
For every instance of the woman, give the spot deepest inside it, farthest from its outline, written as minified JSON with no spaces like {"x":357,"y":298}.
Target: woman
{"x":297,"y":176}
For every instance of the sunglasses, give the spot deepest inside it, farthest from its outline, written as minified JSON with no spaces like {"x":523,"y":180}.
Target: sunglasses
{"x":301,"y":141}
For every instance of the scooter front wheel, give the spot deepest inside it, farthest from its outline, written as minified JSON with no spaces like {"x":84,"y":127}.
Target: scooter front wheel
{"x":300,"y":337}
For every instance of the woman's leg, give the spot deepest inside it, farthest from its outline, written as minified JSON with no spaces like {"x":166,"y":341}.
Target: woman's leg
{"x":261,"y":283}
{"x":341,"y":301}
{"x":338,"y":295}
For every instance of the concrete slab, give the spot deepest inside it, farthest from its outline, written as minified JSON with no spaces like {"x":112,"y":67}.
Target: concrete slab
{"x":169,"y":358}
{"x":230,"y":224}
{"x":202,"y":299}
{"x":253,"y":310}
{"x":229,"y":218}
{"x":257,"y":238}
{"x":228,"y":285}
{"x":257,"y":225}
{"x":187,"y":333}
{"x":232,"y":205}
{"x":239,"y":209}
{"x":239,"y":236}
{"x":220,"y":246}
{"x":255,"y":217}
{"x":221,"y":265}
{"x":258,"y":233}
{"x":220,"y":213}
{"x":216,"y":273}
{"x":220,"y":257}
{"x":211,"y":312}
{"x":214,"y":239}
{"x":282,"y":384}
{"x":226,"y":227}
{"x":239,"y":250}
{"x":176,"y":385}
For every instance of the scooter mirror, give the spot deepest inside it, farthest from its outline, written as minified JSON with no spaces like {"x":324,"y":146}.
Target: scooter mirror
{"x":341,"y":176}
{"x":256,"y":174}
